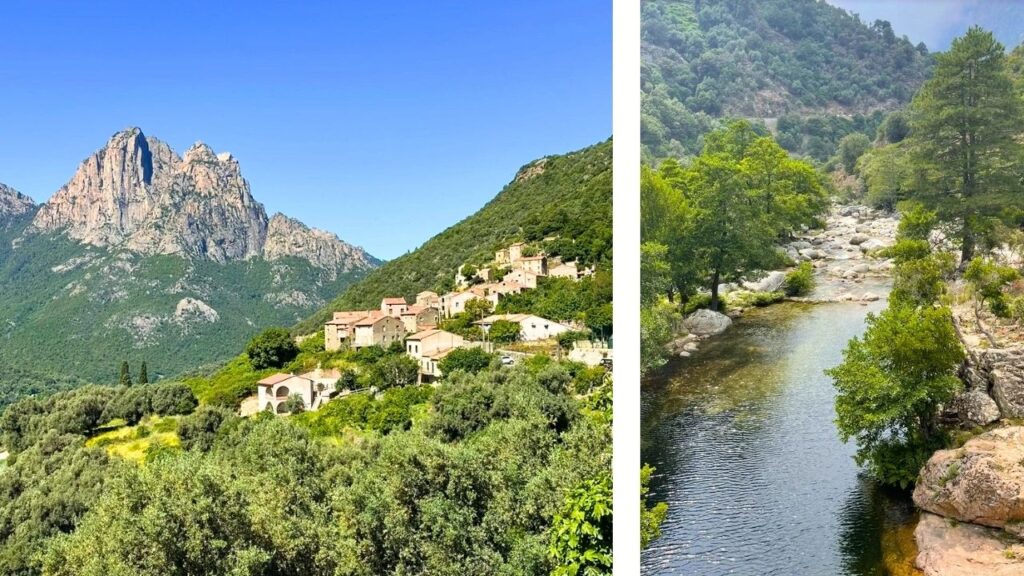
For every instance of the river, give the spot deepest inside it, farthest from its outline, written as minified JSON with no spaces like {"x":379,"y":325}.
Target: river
{"x":751,"y":465}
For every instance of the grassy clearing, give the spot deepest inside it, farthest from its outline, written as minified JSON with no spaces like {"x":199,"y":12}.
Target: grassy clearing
{"x":133,"y":442}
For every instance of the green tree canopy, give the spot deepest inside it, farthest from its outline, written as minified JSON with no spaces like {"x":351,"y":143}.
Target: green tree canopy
{"x":966,"y":123}
{"x":890,"y":385}
{"x":272,"y":348}
{"x":504,"y":331}
{"x":471,"y":360}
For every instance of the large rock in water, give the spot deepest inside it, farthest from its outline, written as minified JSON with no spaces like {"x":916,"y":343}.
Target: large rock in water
{"x":772,"y":282}
{"x":948,"y":548}
{"x":982,"y":482}
{"x":706,"y":322}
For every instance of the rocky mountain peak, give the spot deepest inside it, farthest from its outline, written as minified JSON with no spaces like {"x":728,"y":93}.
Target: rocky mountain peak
{"x":289,"y":237}
{"x":137,"y":194}
{"x":14,"y":203}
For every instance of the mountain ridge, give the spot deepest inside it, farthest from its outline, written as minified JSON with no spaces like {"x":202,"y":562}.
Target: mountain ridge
{"x":136,"y":193}
{"x":776,"y":60}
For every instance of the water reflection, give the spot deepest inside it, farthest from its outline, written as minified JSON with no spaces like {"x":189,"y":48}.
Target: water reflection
{"x":748,"y":457}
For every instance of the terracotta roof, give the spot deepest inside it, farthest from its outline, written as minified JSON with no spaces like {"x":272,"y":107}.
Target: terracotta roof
{"x":424,"y":334}
{"x":414,"y":309}
{"x":372,"y":319}
{"x":349,"y":316}
{"x":394,"y":301}
{"x":275,"y":379}
{"x":428,"y":293}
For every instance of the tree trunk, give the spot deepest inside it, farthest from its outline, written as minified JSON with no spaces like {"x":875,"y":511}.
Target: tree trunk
{"x":967,"y":247}
{"x":714,"y":290}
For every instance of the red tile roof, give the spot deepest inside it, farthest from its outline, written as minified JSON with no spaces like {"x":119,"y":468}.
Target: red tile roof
{"x":275,"y":379}
{"x":394,"y":301}
{"x":424,"y":334}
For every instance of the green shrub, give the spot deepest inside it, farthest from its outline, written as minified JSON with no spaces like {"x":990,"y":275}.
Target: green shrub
{"x":697,"y":302}
{"x":471,"y":360}
{"x":272,"y":348}
{"x":504,"y":331}
{"x":759,"y":299}
{"x":799,"y":281}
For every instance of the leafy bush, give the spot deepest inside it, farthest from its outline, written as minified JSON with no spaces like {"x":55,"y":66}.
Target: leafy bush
{"x":504,"y":331}
{"x":272,"y":348}
{"x":890,"y":385}
{"x":988,"y":280}
{"x":799,"y":281}
{"x":580,"y":540}
{"x":566,"y":339}
{"x":470,"y":360}
{"x":394,"y":370}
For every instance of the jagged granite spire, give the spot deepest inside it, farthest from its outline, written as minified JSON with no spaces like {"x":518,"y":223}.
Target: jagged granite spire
{"x":137,"y":194}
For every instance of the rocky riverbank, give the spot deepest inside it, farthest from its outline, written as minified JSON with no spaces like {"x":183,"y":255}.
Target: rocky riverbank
{"x":846,"y":265}
{"x":973,"y":496}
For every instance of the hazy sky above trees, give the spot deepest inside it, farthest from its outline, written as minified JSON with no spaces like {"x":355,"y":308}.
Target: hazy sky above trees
{"x":937,"y":22}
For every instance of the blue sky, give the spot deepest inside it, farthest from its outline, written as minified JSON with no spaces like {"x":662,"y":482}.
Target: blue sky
{"x":382,"y":122}
{"x":938,"y":22}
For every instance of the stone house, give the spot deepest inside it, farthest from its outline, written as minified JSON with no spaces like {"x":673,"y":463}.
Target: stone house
{"x":565,"y":270}
{"x":509,"y":255}
{"x":273,"y":391}
{"x":454,"y":303}
{"x":315,"y":389}
{"x":429,"y":347}
{"x":377,"y":330}
{"x":533,"y":264}
{"x":528,"y":280}
{"x":417,"y":318}
{"x":339,"y":331}
{"x":393,"y":306}
{"x":428,"y":299}
{"x":532,"y":328}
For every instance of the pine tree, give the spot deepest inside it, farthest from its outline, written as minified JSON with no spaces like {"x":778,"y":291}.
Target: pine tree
{"x":965,"y":122}
{"x":143,"y":374}
{"x":126,"y":377}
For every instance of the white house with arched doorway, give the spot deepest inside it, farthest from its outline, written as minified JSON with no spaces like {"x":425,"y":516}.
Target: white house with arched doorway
{"x":273,"y":390}
{"x":315,"y":388}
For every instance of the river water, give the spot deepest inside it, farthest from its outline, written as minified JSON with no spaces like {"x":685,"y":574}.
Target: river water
{"x":750,"y":463}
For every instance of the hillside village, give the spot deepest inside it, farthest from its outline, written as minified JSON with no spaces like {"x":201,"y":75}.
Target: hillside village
{"x":421,"y":327}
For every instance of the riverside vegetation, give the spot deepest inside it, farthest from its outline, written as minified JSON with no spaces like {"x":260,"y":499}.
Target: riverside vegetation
{"x":937,"y":366}
{"x":495,"y":470}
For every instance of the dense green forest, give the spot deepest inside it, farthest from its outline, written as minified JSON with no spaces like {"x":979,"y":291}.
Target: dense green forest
{"x":72,"y":312}
{"x":503,"y":472}
{"x":814,"y":69}
{"x":568,"y":196}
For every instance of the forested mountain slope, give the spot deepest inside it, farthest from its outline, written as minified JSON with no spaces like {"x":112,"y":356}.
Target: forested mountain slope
{"x":145,"y":255}
{"x":566,"y":196}
{"x":779,"y":60}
